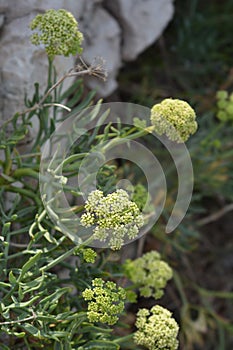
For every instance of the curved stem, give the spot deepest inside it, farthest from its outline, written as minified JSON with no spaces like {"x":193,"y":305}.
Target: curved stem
{"x":19,"y":321}
{"x":127,"y":137}
{"x":18,"y":173}
{"x":8,"y":161}
{"x":180,"y":288}
{"x":23,"y":192}
{"x":65,"y":256}
{"x":123,"y":339}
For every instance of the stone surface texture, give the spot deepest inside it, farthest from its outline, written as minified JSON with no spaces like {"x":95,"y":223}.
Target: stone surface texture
{"x":116,"y":30}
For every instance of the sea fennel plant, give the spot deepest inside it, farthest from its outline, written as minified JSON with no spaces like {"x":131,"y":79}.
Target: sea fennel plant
{"x":55,"y":294}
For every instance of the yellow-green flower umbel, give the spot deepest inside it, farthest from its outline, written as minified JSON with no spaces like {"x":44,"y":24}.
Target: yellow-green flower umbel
{"x":58,"y":31}
{"x":114,"y":217}
{"x":149,"y":273}
{"x":174,"y":118}
{"x":225,"y":106}
{"x":105,"y":301}
{"x":157,"y":329}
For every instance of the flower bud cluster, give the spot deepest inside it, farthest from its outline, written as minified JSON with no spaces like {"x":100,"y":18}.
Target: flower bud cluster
{"x":89,"y":255}
{"x":58,"y":31}
{"x":174,"y":118}
{"x":114,"y":216}
{"x":105,"y":301}
{"x":149,"y":273}
{"x":225,"y":105}
{"x":156,"y":329}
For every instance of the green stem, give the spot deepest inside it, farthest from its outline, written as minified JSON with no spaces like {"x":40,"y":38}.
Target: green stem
{"x":214,"y":293}
{"x":23,"y":192}
{"x":21,"y":172}
{"x":18,"y":321}
{"x":8,"y":161}
{"x":64,"y":256}
{"x":38,"y":218}
{"x":15,"y":255}
{"x":227,"y":154}
{"x":123,"y":339}
{"x":68,"y":160}
{"x":58,"y":260}
{"x":180,"y":288}
{"x":6,"y":250}
{"x":213,"y":132}
{"x":18,"y":173}
{"x":126,"y":137}
{"x":50,"y":72}
{"x":142,"y":132}
{"x":38,"y":137}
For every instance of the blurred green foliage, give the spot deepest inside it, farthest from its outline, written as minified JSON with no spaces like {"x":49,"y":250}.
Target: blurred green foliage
{"x":193,"y":60}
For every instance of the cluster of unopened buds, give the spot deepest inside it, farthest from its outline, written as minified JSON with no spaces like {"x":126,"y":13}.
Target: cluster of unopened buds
{"x":105,"y":301}
{"x":175,"y":118}
{"x":58,"y":31}
{"x":225,"y":106}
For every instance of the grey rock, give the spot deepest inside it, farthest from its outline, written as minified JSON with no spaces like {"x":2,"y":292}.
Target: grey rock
{"x":21,"y":66}
{"x":2,"y":18}
{"x":103,"y":41}
{"x":142,"y":22}
{"x":116,"y":30}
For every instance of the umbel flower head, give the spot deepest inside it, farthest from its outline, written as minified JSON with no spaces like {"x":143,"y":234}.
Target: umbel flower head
{"x":114,"y":216}
{"x":105,"y":301}
{"x":225,"y":106}
{"x":174,"y":118}
{"x":58,"y":31}
{"x":157,"y":329}
{"x":89,"y":255}
{"x":149,"y":273}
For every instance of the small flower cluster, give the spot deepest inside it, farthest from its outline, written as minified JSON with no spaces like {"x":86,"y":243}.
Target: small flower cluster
{"x":174,"y":118}
{"x":105,"y":301}
{"x":140,"y":196}
{"x":89,"y":255}
{"x":156,"y":329}
{"x":225,"y":105}
{"x":149,"y":273}
{"x":58,"y":32}
{"x":114,"y":215}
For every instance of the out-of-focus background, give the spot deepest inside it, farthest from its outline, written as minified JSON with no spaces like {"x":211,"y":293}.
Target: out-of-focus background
{"x":192,"y":60}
